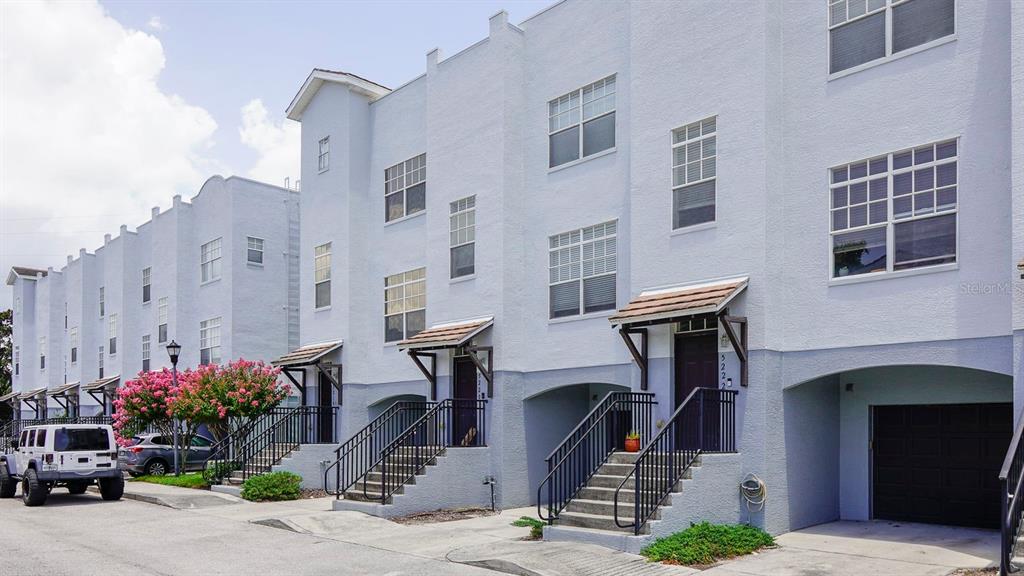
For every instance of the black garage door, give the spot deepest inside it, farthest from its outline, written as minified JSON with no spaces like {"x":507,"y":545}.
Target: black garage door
{"x":940,"y":463}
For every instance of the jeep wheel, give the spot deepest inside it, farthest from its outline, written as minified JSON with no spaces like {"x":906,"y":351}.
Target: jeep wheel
{"x":77,"y":487}
{"x":111,"y":488}
{"x":156,"y":467}
{"x":7,"y":484}
{"x":33,"y":492}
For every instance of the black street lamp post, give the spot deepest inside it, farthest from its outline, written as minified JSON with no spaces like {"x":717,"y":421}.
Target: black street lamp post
{"x":174,"y":350}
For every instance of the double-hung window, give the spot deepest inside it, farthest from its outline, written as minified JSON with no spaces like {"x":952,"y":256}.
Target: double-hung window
{"x":99,"y":365}
{"x":17,"y":360}
{"x":582,"y":122}
{"x":254,"y":250}
{"x":323,"y":160}
{"x":103,"y":303}
{"x":322,"y":276}
{"x":42,"y":352}
{"x":145,"y":352}
{"x":581,"y":269}
{"x":405,"y":304}
{"x":405,"y":188}
{"x":112,"y":333}
{"x":161,"y":320}
{"x":210,"y":260}
{"x":147,"y":281}
{"x":864,"y":30}
{"x":694,"y":155}
{"x":896,"y":211}
{"x":462,"y":232}
{"x":73,"y":341}
{"x":209,"y":341}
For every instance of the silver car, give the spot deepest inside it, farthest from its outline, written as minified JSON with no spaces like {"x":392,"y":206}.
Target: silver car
{"x":152,"y":454}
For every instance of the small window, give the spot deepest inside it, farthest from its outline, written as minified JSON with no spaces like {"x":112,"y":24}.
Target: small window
{"x":860,"y":30}
{"x":42,"y":352}
{"x":210,"y":260}
{"x":41,"y":438}
{"x":405,"y":304}
{"x":73,"y":342}
{"x":405,"y":188}
{"x":99,"y":365}
{"x":103,"y":308}
{"x":209,"y":341}
{"x":145,"y":352}
{"x":17,"y":360}
{"x":323,"y":161}
{"x":112,"y":333}
{"x":694,"y":158}
{"x":322,"y":276}
{"x":81,"y":440}
{"x":31,"y":438}
{"x":582,"y":270}
{"x":161,"y":319}
{"x":200,"y":442}
{"x":582,"y":122}
{"x":922,"y":229}
{"x":24,"y":438}
{"x":462,"y":232}
{"x":254,"y":250}
{"x":146,"y":282}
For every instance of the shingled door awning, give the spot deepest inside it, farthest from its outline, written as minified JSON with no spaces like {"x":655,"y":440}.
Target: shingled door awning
{"x":307,"y":354}
{"x":101,"y":384}
{"x":102,"y":390}
{"x":66,"y":395}
{"x":667,"y":305}
{"x":64,"y":389}
{"x":11,"y":397}
{"x":450,"y":335}
{"x":32,"y":394}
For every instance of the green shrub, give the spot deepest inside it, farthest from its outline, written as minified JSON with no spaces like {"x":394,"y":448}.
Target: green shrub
{"x":193,"y":480}
{"x":273,"y":486}
{"x":536,"y":526}
{"x":215,"y":472}
{"x":705,"y":543}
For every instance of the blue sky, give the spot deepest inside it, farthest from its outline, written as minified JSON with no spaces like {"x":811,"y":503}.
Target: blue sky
{"x":108,"y":109}
{"x":220,"y":55}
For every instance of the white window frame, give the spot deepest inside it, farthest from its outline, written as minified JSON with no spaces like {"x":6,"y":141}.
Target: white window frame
{"x":889,"y":54}
{"x":704,"y":133}
{"x":322,"y":256}
{"x":145,"y":352}
{"x":254,"y":244}
{"x":103,"y":303}
{"x":147,"y":284}
{"x":323,"y":159}
{"x":461,"y":231}
{"x":397,"y":291}
{"x":161,"y":318}
{"x":891,"y":221}
{"x":17,"y":360}
{"x":209,"y":341}
{"x":42,"y":353}
{"x":399,"y":178}
{"x":112,"y":333}
{"x":210,"y":257}
{"x":572,"y":243}
{"x":73,"y":344}
{"x":99,"y":365}
{"x":556,"y":110}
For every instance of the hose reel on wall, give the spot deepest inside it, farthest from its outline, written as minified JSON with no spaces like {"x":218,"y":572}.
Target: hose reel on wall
{"x":754,"y":493}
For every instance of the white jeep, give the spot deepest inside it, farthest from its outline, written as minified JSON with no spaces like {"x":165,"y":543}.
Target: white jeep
{"x":69,"y":455}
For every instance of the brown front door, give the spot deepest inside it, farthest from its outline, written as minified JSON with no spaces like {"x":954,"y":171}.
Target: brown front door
{"x":464,"y":393}
{"x":696,"y":366}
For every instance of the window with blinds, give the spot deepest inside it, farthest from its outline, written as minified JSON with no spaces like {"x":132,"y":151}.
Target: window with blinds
{"x":462,"y":232}
{"x":864,"y":30}
{"x":582,"y":122}
{"x":694,"y":158}
{"x":322,"y":276}
{"x":405,"y":304}
{"x":581,"y":270}
{"x":405,"y":188}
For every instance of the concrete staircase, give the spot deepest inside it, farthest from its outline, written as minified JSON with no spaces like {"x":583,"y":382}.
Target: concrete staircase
{"x":401,"y":467}
{"x":263,"y":462}
{"x":593,"y":509}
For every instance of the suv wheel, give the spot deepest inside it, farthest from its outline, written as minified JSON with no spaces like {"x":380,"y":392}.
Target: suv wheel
{"x":7,"y":484}
{"x":77,"y":487}
{"x":112,"y":488}
{"x":33,"y":493}
{"x":156,"y":467}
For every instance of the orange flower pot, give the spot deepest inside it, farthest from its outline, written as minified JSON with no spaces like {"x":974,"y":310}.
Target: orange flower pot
{"x":632,"y":444}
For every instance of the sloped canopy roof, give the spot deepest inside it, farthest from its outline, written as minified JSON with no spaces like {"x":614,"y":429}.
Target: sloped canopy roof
{"x":319,"y":76}
{"x":447,"y":335}
{"x":63,"y":389}
{"x":665,"y":305}
{"x":9,"y":397}
{"x":30,"y":394}
{"x":23,"y":272}
{"x":308,"y":354}
{"x":101,"y":383}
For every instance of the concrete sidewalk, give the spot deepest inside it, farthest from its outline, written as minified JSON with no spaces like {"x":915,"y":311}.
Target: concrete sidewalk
{"x":173,"y":496}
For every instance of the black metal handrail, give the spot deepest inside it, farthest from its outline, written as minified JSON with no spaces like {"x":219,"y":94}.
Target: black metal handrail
{"x":221,"y":461}
{"x":1011,"y":480}
{"x":299,"y":425}
{"x":573,"y":462}
{"x":452,"y":422}
{"x":354,"y":458}
{"x":704,"y":423}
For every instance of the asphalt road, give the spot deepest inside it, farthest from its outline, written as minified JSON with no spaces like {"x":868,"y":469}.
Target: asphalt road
{"x":83,"y":535}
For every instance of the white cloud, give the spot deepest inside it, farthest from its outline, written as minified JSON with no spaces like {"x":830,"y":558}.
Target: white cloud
{"x":155,"y":23}
{"x":89,"y":140}
{"x":276,"y":143}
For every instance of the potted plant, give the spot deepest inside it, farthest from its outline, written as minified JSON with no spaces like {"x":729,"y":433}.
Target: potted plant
{"x":633,"y":442}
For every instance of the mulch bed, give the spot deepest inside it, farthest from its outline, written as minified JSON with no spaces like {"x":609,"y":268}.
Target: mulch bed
{"x":976,"y":572}
{"x":311,"y":493}
{"x":443,"y":516}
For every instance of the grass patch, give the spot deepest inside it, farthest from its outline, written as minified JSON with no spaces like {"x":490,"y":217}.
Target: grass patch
{"x":704,"y":544}
{"x":192,"y":480}
{"x":536,"y":526}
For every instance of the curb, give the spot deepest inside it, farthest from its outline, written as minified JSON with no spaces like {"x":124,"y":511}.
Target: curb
{"x":140,"y":498}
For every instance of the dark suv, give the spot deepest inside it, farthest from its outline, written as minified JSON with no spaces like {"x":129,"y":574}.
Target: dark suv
{"x":152,"y":454}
